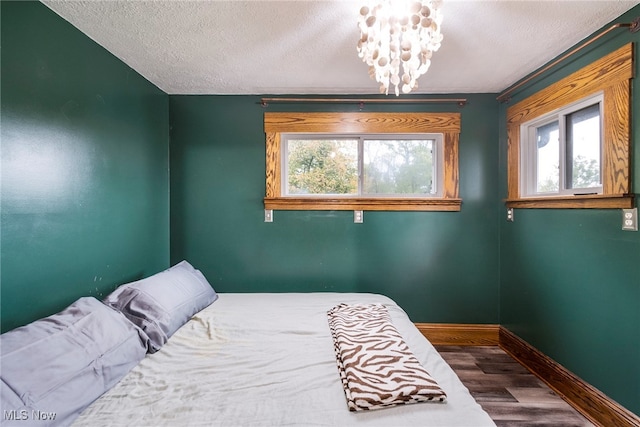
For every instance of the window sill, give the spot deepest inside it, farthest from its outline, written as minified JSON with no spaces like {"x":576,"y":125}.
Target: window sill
{"x":361,"y":204}
{"x":596,"y":201}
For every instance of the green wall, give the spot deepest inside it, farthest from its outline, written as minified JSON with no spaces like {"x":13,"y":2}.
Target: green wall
{"x":440,"y":266}
{"x":84,"y":203}
{"x":570,"y":279}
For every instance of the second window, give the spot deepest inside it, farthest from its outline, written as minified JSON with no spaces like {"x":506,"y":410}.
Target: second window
{"x":563,"y":151}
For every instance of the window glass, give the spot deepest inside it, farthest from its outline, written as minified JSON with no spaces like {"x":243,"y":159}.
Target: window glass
{"x":398,"y":167}
{"x":583,"y":148}
{"x":548,"y":158}
{"x":322,"y":166}
{"x":361,"y":165}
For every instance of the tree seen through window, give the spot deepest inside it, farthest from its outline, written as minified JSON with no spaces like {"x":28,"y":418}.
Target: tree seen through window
{"x":323,"y":166}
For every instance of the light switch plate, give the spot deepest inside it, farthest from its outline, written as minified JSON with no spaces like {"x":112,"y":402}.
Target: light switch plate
{"x":630,"y":219}
{"x":268,"y":215}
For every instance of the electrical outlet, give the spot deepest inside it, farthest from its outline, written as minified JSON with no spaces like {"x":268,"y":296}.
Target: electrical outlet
{"x":630,"y":219}
{"x":268,"y":215}
{"x":358,"y":217}
{"x":510,"y":214}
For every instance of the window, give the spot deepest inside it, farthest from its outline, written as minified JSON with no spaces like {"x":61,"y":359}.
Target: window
{"x":568,"y":145}
{"x":563,"y":151}
{"x":362,"y":161}
{"x":361,"y":165}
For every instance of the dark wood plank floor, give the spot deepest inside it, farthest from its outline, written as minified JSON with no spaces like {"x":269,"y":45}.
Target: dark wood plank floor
{"x":511,"y":395}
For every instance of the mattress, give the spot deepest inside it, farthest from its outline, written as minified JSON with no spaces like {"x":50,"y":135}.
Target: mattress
{"x":268,"y":360}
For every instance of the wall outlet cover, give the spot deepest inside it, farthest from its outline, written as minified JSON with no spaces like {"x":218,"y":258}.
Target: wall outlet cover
{"x":510,"y":214}
{"x":630,"y":219}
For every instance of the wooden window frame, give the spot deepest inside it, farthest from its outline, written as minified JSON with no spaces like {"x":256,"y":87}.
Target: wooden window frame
{"x":610,"y":75}
{"x":448,"y":124}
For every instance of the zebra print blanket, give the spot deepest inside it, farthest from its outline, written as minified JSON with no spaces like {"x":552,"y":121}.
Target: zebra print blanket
{"x":376,"y":366}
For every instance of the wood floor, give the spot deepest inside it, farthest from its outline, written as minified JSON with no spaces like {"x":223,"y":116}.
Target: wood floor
{"x":511,"y":395}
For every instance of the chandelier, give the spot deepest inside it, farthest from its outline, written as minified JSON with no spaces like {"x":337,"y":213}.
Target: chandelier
{"x":395,"y":33}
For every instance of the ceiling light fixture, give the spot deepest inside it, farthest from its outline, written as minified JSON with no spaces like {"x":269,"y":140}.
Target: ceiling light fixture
{"x":395,"y":33}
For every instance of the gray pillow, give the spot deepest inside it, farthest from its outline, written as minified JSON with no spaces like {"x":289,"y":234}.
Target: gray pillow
{"x":55,"y":367}
{"x":162,"y":303}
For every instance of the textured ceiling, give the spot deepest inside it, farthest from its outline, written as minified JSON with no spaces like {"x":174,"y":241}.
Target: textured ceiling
{"x":308,"y":47}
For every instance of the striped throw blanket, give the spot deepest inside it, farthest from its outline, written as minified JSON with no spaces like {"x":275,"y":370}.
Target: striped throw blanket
{"x":376,"y":366}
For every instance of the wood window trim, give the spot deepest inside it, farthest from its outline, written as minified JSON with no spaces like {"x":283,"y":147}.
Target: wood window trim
{"x":277,"y":123}
{"x":610,"y":75}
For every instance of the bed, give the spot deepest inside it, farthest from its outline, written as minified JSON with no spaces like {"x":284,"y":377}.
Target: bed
{"x":267,"y":359}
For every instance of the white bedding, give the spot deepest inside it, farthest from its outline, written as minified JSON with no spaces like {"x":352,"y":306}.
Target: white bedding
{"x":268,"y":359}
